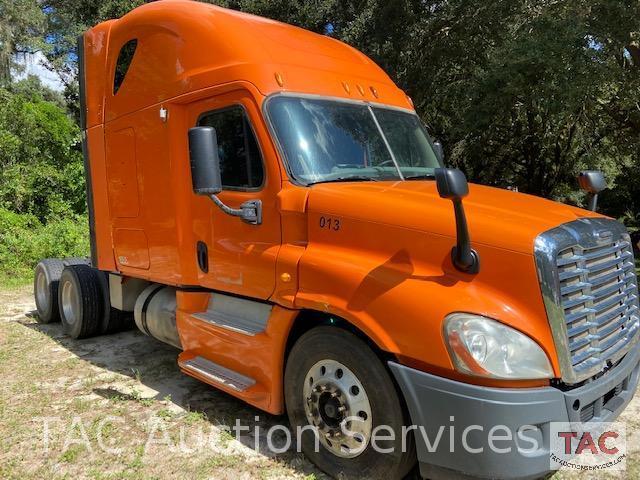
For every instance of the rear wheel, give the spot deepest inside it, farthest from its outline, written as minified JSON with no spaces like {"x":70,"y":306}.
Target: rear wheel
{"x":45,"y":289}
{"x":336,"y":384}
{"x":80,"y":300}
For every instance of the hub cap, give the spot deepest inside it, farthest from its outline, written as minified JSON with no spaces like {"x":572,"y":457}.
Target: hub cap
{"x":70,"y":303}
{"x":337,"y":404}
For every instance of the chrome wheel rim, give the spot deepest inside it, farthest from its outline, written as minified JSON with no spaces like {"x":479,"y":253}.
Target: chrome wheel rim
{"x":70,"y":303}
{"x":42,"y":292}
{"x":336,"y":403}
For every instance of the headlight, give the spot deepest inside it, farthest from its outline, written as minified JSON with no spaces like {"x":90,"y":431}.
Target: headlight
{"x":486,"y":348}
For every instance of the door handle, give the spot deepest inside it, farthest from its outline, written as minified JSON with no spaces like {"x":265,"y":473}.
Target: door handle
{"x":203,"y":256}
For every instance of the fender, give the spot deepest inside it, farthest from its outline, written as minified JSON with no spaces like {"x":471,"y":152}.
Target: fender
{"x":400,"y":297}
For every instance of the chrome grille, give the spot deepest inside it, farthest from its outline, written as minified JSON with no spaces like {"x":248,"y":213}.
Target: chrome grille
{"x":589,"y":285}
{"x":599,"y":298}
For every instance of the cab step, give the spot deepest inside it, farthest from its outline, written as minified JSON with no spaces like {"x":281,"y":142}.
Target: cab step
{"x":238,"y":314}
{"x":218,"y":374}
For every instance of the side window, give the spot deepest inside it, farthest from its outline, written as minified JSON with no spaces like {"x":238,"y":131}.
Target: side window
{"x":240,"y":159}
{"x":125,"y":57}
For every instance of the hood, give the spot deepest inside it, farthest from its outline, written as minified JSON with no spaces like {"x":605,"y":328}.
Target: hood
{"x":496,"y":217}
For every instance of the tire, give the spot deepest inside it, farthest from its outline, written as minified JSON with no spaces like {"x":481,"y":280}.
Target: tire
{"x":348,"y":362}
{"x":113,"y":320}
{"x":45,"y":289}
{"x":80,"y":300}
{"x":76,"y":261}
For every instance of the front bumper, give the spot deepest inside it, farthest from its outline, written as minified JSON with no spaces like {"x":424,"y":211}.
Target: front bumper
{"x":440,"y":405}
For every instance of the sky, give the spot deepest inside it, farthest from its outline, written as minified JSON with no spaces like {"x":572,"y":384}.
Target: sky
{"x":33,"y":64}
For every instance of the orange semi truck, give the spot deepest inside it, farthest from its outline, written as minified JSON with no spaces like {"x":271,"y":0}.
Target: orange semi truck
{"x":266,"y":200}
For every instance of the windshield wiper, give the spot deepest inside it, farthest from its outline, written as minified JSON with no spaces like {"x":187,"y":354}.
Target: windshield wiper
{"x":350,"y":178}
{"x":423,"y":176}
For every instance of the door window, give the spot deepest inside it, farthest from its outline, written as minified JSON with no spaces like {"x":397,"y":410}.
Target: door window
{"x":241,"y":166}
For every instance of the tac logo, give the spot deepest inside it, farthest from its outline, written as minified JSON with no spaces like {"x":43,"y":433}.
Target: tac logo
{"x":586,"y":442}
{"x":588,"y":446}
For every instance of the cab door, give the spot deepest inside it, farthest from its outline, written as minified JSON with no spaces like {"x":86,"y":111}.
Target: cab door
{"x":240,"y":257}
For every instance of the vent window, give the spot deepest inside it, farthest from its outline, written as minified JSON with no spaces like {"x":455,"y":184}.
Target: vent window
{"x":125,"y":57}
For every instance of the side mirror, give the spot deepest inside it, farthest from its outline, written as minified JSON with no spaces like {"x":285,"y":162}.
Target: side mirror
{"x":452,"y":185}
{"x":206,"y":178}
{"x":205,"y":165}
{"x":439,"y":151}
{"x":592,"y":182}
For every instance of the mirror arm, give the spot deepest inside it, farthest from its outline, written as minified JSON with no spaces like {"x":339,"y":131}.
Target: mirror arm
{"x":593,"y":202}
{"x":464,"y":257}
{"x":250,"y":211}
{"x":439,"y":151}
{"x":452,"y":185}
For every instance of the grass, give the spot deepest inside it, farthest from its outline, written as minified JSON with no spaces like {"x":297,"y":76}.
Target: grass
{"x":25,"y":240}
{"x":114,"y":386}
{"x":9,"y":282}
{"x":46,"y":374}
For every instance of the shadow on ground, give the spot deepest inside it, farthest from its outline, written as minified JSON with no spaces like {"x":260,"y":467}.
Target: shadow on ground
{"x":154,"y":365}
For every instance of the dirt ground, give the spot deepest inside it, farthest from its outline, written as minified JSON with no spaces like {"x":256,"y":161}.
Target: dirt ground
{"x":117,"y":407}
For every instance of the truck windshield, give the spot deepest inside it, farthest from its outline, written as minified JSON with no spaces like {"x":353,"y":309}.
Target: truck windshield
{"x":336,"y":141}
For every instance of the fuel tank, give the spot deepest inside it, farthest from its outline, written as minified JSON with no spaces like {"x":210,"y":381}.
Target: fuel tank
{"x":155,"y":314}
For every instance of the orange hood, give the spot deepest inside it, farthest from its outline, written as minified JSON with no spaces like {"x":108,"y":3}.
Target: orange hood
{"x":498,"y":218}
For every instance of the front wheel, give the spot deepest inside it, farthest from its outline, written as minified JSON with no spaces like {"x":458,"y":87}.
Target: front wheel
{"x":337,"y":386}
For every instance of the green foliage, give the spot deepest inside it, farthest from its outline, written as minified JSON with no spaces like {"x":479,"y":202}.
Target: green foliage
{"x":42,"y":197}
{"x":22,"y":25}
{"x":24,"y":241}
{"x":40,"y":160}
{"x":67,"y":19}
{"x":522,"y":93}
{"x":31,"y":88}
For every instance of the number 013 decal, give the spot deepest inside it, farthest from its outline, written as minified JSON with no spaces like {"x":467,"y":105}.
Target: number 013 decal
{"x":329,"y":223}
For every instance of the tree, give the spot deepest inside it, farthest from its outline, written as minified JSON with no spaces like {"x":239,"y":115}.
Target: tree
{"x":523,"y":93}
{"x":41,"y":171}
{"x":68,"y":19}
{"x":21,"y":32}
